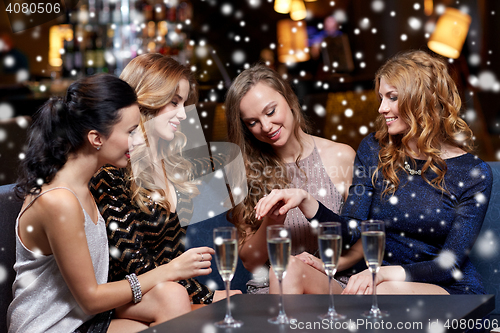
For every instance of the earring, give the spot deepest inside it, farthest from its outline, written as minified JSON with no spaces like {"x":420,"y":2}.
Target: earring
{"x":98,"y":147}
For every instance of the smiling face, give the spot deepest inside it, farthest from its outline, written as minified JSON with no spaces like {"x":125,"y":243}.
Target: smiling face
{"x":267,"y":115}
{"x":115,"y":148}
{"x":389,"y":108}
{"x":170,"y":116}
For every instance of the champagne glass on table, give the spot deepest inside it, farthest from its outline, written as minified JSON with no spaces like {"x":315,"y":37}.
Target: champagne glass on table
{"x":330,"y":247}
{"x":226,"y":257}
{"x":279,"y":246}
{"x":373,"y":239}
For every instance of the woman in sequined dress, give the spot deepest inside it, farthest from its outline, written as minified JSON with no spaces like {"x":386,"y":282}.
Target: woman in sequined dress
{"x":264,"y":118}
{"x":417,"y":174}
{"x":143,"y":203}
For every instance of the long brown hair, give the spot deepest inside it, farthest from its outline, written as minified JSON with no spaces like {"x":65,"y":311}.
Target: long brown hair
{"x":155,"y":79}
{"x":429,"y":104}
{"x":259,"y":155}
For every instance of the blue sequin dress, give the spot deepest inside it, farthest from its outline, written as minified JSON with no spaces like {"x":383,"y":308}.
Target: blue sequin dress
{"x":428,"y":233}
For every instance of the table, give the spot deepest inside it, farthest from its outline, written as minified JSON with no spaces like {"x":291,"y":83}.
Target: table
{"x":413,"y":313}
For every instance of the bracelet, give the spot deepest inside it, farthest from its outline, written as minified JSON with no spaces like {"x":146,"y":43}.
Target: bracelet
{"x":136,"y":287}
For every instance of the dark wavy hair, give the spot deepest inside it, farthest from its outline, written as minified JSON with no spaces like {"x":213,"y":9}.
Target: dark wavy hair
{"x":60,"y":127}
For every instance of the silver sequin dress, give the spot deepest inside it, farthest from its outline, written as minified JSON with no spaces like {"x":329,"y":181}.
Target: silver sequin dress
{"x":313,"y":178}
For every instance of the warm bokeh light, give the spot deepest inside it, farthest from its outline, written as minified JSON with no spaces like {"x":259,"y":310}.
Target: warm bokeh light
{"x":282,"y":6}
{"x":57,"y":35}
{"x":298,"y":10}
{"x":292,"y":41}
{"x":450,"y":33}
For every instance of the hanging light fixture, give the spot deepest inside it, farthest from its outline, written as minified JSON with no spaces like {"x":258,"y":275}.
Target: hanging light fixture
{"x":309,"y":0}
{"x":450,"y":33}
{"x":282,"y":6}
{"x":428,"y":7}
{"x":292,"y":41}
{"x":298,"y":10}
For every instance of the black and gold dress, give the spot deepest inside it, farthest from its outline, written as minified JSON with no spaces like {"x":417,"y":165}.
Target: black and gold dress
{"x":140,"y":242}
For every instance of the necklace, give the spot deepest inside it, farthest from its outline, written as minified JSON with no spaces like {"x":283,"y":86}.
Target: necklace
{"x":411,"y":171}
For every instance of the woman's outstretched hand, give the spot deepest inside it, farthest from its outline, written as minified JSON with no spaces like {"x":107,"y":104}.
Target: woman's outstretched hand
{"x":194,"y":262}
{"x":279,"y":202}
{"x":362,"y":283}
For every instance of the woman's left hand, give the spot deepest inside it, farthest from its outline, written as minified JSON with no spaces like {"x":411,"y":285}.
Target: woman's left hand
{"x":361,"y":283}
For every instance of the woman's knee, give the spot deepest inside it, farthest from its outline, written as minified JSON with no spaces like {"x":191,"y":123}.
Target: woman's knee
{"x":168,"y":293}
{"x":295,"y":269}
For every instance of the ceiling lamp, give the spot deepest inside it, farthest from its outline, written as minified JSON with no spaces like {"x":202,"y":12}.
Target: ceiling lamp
{"x":428,"y":7}
{"x":450,"y":33}
{"x":292,"y":41}
{"x":298,"y":10}
{"x":282,"y":6}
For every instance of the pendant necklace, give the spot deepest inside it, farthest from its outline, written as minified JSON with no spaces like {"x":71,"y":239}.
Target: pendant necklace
{"x":412,"y":171}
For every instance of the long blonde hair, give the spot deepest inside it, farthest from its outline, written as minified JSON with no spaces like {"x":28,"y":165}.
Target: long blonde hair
{"x":429,"y":104}
{"x":256,"y":154}
{"x":155,"y":79}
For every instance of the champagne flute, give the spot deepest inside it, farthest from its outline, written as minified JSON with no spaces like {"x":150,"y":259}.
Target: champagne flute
{"x":373,"y":239}
{"x":330,"y":247}
{"x":226,"y":257}
{"x":279,"y":246}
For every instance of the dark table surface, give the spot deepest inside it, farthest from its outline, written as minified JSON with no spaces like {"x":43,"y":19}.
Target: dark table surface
{"x":415,"y":313}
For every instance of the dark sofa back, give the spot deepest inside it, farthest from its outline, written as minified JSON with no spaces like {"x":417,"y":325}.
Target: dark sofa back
{"x":485,"y":254}
{"x":10,"y":206}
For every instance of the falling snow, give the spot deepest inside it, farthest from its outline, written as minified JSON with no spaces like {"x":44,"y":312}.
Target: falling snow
{"x":114,"y":252}
{"x":378,"y":6}
{"x":319,"y":110}
{"x":6,"y":111}
{"x":208,"y":328}
{"x":211,"y":284}
{"x":3,"y":274}
{"x":487,"y":245}
{"x":446,"y":259}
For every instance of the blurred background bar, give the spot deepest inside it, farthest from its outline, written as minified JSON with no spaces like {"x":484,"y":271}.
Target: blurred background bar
{"x":328,"y":50}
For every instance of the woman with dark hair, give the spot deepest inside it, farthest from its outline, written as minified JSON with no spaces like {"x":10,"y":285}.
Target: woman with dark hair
{"x":62,"y":250}
{"x":417,"y":174}
{"x":264,"y":119}
{"x":147,"y":205}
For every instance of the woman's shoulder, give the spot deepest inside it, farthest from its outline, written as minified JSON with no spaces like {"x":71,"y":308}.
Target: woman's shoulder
{"x":469,"y":165}
{"x":334,"y":149}
{"x":369,"y":142}
{"x":108,"y":182}
{"x":369,"y":149}
{"x":55,"y":202}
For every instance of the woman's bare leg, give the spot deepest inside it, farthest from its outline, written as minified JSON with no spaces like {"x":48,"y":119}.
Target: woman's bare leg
{"x":165,"y":301}
{"x":126,"y":326}
{"x":302,"y":279}
{"x":408,"y":288}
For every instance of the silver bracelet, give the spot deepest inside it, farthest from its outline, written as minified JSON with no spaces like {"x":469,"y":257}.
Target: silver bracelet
{"x":136,"y":287}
